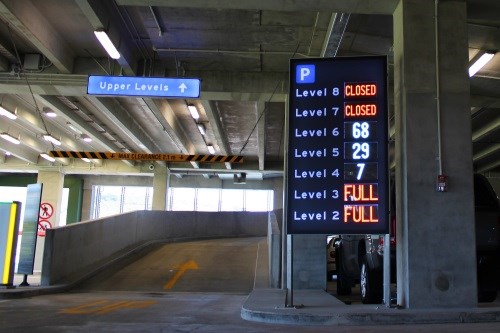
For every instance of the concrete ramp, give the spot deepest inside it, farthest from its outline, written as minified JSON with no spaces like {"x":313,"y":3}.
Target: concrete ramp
{"x":230,"y":265}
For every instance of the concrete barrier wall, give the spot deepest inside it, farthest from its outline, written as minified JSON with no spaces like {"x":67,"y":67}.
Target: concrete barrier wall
{"x":74,"y":251}
{"x":274,"y":248}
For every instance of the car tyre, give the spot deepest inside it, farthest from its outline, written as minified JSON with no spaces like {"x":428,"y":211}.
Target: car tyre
{"x":343,"y":285}
{"x":329,"y":275}
{"x":370,"y":284}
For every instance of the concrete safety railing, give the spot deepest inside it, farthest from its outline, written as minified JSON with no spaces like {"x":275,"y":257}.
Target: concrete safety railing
{"x":75,"y":251}
{"x":274,"y":246}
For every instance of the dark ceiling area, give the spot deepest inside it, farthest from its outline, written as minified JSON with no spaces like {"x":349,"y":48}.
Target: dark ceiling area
{"x":240,"y":50}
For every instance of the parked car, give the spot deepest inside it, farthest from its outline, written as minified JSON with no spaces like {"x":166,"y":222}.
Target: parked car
{"x":487,"y":214}
{"x":359,"y":258}
{"x":331,"y":268}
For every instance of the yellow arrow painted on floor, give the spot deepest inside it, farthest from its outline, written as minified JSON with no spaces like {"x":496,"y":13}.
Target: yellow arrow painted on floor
{"x":191,"y":264}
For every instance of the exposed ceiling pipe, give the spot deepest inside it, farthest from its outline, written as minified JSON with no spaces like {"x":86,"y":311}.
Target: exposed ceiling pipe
{"x":335,"y":34}
{"x":157,"y":22}
{"x":313,"y":33}
{"x":228,"y":51}
{"x":438,"y":95}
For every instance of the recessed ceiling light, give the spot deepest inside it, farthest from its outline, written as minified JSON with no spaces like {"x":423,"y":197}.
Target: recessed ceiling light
{"x":480,"y":62}
{"x":73,"y":128}
{"x":6,"y":113}
{"x":50,"y":138}
{"x":10,"y":138}
{"x":47,"y":157}
{"x":106,"y":42}
{"x":211,"y":149}
{"x":201,"y":128}
{"x":86,"y":138}
{"x":194,"y":111}
{"x":49,"y":113}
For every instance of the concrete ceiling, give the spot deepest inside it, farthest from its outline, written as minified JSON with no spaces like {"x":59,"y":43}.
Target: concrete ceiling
{"x":239,"y":49}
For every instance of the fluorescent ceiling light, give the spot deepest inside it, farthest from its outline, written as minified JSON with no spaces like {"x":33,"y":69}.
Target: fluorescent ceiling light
{"x":194,"y":111}
{"x":85,"y":159}
{"x":211,"y":149}
{"x":10,"y":138}
{"x":47,"y":157}
{"x":480,"y":62}
{"x":86,"y":138}
{"x":201,"y":128}
{"x":74,"y":129}
{"x":50,"y":138}
{"x":108,"y":45}
{"x":7,"y":113}
{"x":49,"y":113}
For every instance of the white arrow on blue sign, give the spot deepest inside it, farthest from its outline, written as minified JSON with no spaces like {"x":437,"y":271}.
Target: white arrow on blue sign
{"x":143,"y":86}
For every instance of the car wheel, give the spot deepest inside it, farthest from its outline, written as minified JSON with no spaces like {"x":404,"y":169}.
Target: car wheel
{"x":343,"y":285}
{"x":370,"y":284}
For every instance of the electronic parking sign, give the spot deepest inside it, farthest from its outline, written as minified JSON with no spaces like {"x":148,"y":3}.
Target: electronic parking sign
{"x":337,"y":166}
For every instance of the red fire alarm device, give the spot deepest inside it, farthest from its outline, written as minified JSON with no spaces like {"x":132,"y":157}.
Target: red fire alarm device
{"x":442,"y":183}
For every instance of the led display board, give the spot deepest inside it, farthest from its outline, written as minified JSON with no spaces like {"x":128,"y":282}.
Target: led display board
{"x":143,"y":86}
{"x":337,"y":165}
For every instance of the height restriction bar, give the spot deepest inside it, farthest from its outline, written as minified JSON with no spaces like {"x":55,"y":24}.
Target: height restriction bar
{"x":147,"y":157}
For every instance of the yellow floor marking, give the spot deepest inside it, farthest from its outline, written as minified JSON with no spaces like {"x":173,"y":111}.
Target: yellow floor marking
{"x":85,"y":308}
{"x":104,"y":306}
{"x":191,"y":264}
{"x":126,"y":305}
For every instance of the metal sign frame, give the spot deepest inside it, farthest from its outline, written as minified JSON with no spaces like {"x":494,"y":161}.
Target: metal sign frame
{"x":337,"y":162}
{"x":30,"y":229}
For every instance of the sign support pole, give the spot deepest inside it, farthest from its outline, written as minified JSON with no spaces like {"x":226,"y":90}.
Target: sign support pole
{"x":25,"y":281}
{"x":387,"y":270}
{"x":289,"y":275}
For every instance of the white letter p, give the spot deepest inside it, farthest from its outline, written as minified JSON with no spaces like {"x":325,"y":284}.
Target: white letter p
{"x":304,"y":71}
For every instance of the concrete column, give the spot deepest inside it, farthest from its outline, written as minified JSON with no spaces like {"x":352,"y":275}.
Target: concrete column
{"x":278,"y":193}
{"x":53,"y":183}
{"x":86,"y":200}
{"x":161,"y":181}
{"x":435,"y":230}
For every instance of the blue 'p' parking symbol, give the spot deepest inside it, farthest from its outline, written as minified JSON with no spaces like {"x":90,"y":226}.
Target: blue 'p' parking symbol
{"x":305,"y":74}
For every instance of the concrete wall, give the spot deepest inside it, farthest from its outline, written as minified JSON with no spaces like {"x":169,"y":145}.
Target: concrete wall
{"x":77,"y":250}
{"x":274,"y":246}
{"x":275,"y":184}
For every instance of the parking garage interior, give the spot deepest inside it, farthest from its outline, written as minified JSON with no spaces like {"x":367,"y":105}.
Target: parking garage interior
{"x":218,"y":227}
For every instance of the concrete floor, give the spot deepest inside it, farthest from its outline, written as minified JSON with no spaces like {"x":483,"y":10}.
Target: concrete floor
{"x":179,"y":287}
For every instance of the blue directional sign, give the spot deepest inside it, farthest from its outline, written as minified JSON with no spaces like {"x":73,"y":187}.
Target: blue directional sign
{"x":143,"y":86}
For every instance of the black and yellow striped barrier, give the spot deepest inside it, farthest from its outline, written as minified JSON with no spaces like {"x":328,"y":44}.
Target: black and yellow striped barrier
{"x":147,"y":157}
